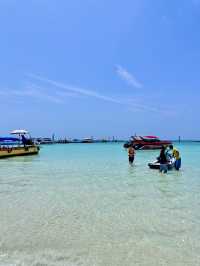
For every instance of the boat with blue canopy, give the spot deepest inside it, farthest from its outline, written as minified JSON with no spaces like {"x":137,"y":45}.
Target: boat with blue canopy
{"x":9,"y":140}
{"x":20,"y":145}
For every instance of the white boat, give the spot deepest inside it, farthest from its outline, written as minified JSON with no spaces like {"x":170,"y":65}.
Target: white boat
{"x":45,"y":140}
{"x":87,"y":140}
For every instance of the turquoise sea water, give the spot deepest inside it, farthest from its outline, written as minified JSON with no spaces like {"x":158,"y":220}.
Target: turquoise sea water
{"x":82,"y":204}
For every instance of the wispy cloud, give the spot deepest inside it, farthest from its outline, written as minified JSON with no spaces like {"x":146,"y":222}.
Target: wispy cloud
{"x":31,"y":92}
{"x":56,"y":93}
{"x":77,"y":90}
{"x":37,"y":92}
{"x":128,"y":77}
{"x":46,"y":94}
{"x":131,"y":104}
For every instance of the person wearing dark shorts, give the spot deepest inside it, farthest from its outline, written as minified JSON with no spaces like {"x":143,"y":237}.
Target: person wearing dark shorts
{"x":131,"y":159}
{"x":131,"y":154}
{"x":163,"y":160}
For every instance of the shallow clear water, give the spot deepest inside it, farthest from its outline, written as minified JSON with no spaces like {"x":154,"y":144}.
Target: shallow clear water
{"x":82,"y":204}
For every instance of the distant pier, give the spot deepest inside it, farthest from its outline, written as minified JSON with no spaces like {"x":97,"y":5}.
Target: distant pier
{"x":75,"y":141}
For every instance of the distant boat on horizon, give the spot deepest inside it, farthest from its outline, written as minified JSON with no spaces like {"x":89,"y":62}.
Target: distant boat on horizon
{"x":88,"y":140}
{"x":45,"y":140}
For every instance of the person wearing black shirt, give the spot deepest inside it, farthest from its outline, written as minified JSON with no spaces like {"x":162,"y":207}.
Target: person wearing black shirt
{"x":163,"y":160}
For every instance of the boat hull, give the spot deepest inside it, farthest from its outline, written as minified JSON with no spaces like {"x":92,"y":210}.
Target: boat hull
{"x":156,"y":165}
{"x":147,"y":147}
{"x":18,"y":151}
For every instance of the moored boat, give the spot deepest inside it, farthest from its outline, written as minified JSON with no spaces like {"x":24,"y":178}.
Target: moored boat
{"x":20,"y":146}
{"x":45,"y":140}
{"x":87,"y":140}
{"x":146,"y":143}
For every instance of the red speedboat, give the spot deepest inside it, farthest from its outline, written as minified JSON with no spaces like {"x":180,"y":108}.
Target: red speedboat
{"x":146,"y":143}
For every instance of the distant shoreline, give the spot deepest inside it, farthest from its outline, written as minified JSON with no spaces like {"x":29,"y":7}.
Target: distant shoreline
{"x":106,"y":141}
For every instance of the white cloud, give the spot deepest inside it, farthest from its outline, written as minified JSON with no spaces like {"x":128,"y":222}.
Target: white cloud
{"x":57,"y":92}
{"x":77,"y":90}
{"x":128,"y":77}
{"x":31,"y":92}
{"x":36,"y":93}
{"x":41,"y":93}
{"x":131,"y":104}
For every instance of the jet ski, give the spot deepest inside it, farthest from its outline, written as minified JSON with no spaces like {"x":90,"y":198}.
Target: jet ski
{"x":156,"y":164}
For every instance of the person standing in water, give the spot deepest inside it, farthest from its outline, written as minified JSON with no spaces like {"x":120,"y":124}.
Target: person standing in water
{"x":163,"y":160}
{"x":176,"y":155}
{"x":131,"y":154}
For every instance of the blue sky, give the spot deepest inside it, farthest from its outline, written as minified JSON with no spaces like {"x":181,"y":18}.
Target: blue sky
{"x":100,"y":68}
